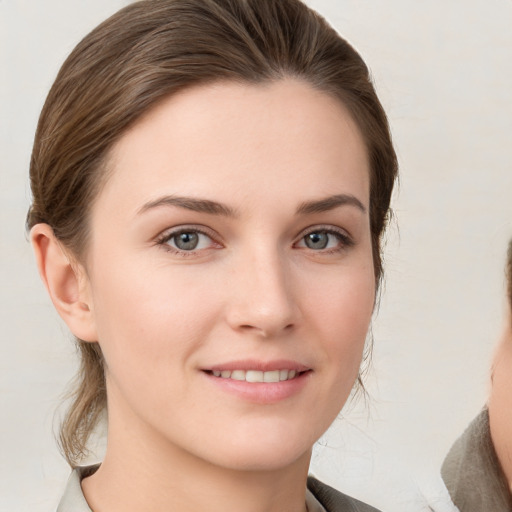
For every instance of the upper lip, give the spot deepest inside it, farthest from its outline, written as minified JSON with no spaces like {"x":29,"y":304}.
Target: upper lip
{"x":262,"y":366}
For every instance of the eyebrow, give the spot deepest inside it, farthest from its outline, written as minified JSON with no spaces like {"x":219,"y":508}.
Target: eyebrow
{"x":190,"y":203}
{"x":330,"y":203}
{"x":215,"y":208}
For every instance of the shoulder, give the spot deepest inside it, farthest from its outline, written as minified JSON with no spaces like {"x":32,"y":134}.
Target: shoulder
{"x":335,"y":501}
{"x":472,"y":473}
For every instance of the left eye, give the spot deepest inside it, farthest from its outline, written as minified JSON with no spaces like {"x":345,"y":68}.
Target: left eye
{"x":188,"y":241}
{"x":320,"y":240}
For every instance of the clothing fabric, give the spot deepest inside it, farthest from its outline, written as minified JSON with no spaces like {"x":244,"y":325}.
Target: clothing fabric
{"x":74,"y":499}
{"x":472,"y":472}
{"x":319,"y":498}
{"x":335,"y":501}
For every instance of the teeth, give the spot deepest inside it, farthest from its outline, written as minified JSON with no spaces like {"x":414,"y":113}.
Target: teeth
{"x":271,"y":376}
{"x":256,"y":375}
{"x":253,"y":376}
{"x":238,"y":375}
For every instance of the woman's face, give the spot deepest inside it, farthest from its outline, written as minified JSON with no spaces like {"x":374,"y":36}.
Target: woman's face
{"x":230,"y":246}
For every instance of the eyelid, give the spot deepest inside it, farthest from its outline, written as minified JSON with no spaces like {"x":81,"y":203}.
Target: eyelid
{"x":169,"y":233}
{"x":345,"y":238}
{"x":329,"y":228}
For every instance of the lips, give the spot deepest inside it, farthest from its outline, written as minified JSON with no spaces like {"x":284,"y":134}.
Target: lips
{"x":259,"y":382}
{"x":253,"y":371}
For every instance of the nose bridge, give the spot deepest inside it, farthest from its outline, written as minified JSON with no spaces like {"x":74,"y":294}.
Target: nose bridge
{"x":264,"y":300}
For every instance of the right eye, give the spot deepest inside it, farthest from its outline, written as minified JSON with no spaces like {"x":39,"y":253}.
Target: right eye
{"x":186,"y":241}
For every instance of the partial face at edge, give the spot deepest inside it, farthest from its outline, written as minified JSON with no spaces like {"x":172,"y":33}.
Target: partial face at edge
{"x":500,"y":401}
{"x":233,"y":235}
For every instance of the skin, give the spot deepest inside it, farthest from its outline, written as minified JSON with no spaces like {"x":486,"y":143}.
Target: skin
{"x":252,"y":290}
{"x":500,"y":400}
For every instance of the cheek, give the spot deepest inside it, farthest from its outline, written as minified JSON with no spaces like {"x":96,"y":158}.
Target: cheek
{"x":341,"y":312}
{"x":152,"y":318}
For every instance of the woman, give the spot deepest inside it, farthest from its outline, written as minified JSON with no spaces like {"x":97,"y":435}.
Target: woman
{"x":211,"y":180}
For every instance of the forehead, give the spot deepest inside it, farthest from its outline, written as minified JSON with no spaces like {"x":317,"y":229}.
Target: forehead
{"x":238,"y":135}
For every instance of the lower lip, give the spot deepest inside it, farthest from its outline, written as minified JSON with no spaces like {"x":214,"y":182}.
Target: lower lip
{"x":261,"y":392}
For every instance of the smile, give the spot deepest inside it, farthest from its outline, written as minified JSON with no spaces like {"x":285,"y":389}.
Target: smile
{"x":256,"y":375}
{"x":260,"y":382}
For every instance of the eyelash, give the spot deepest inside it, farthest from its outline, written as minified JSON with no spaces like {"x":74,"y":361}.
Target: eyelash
{"x":345,"y":241}
{"x":165,"y":237}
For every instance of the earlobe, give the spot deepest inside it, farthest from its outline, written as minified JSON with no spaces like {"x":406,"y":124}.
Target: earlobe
{"x":65,"y":281}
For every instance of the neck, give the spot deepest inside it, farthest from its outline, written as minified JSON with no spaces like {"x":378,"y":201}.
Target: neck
{"x":500,"y":404}
{"x":142,"y":472}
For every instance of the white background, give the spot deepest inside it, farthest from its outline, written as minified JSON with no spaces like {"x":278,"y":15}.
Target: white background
{"x":443,"y":71}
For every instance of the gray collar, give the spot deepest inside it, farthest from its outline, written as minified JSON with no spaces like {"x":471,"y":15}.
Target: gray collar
{"x":472,"y":472}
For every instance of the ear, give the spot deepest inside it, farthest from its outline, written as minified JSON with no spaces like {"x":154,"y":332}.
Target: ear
{"x":66,"y":282}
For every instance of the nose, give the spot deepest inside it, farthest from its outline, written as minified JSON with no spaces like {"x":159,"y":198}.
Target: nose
{"x":263,"y":301}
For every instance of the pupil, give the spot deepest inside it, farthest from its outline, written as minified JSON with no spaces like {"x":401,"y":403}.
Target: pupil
{"x":187,"y":241}
{"x":317,"y":240}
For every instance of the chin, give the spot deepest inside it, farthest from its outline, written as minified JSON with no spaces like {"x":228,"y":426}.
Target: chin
{"x":262,"y":459}
{"x":263,"y":449}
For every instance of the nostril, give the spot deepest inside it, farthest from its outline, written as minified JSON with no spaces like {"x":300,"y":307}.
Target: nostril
{"x":265,"y":319}
{"x":268,"y":331}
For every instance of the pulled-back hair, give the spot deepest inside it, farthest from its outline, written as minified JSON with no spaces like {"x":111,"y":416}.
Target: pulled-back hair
{"x":148,"y":51}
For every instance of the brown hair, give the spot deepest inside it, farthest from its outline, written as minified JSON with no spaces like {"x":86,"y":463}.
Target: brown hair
{"x":154,"y":48}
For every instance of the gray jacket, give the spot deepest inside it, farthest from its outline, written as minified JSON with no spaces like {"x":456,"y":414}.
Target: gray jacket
{"x":472,"y":472}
